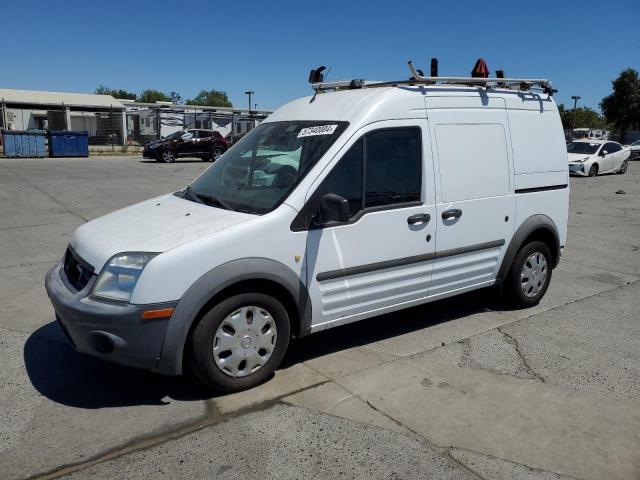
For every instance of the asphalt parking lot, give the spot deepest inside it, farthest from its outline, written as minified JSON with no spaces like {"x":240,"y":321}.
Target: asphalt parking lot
{"x":461,"y":388}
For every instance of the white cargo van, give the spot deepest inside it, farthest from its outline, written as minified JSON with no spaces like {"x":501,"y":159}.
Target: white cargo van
{"x":362,"y":199}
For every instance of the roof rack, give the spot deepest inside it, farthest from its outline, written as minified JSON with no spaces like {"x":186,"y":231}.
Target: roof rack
{"x":417,"y":78}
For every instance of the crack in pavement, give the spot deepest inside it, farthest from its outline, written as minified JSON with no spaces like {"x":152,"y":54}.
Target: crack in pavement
{"x":515,"y":320}
{"x":447,"y":454}
{"x":527,"y":367}
{"x":579,"y":264}
{"x":442,"y":451}
{"x":533,"y":469}
{"x":18,"y":227}
{"x":21,"y":265}
{"x":211,"y":417}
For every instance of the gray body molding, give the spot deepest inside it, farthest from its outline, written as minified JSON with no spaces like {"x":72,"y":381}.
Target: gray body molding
{"x":212,"y":283}
{"x":529,"y":226}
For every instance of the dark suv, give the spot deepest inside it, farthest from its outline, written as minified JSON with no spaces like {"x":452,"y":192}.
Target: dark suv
{"x":205,"y":144}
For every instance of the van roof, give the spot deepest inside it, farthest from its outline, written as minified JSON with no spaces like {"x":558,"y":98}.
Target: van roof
{"x":397,"y":101}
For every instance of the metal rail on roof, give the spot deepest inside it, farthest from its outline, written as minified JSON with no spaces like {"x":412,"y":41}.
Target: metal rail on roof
{"x":418,"y":79}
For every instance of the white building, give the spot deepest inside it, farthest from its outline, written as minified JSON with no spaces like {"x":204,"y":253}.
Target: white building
{"x":101,"y":115}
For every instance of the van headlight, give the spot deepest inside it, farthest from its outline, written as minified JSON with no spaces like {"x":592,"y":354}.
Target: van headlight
{"x":120,"y":275}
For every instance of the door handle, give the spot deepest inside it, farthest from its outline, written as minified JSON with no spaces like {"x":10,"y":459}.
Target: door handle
{"x":451,"y":213}
{"x":418,"y":219}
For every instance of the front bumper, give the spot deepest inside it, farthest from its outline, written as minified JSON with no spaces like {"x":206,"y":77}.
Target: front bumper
{"x":111,"y":331}
{"x":148,"y":153}
{"x":578,"y":169}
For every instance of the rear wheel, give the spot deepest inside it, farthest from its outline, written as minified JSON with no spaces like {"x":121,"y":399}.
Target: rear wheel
{"x":593,"y":171}
{"x":168,"y":156}
{"x":240,"y":342}
{"x":216,"y":153}
{"x":530,"y":275}
{"x":623,"y":168}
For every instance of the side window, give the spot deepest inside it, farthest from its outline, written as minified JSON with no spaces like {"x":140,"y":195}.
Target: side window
{"x":613,"y":147}
{"x":187,"y":136}
{"x":345,"y":180}
{"x":393,"y":167}
{"x":382,"y":168}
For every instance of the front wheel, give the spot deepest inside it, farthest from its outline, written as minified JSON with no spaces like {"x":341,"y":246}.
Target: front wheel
{"x":240,"y":342}
{"x":530,"y":275}
{"x":168,"y":156}
{"x":623,"y":168}
{"x":593,"y":171}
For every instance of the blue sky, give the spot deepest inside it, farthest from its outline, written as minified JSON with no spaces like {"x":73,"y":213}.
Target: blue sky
{"x":270,"y":46}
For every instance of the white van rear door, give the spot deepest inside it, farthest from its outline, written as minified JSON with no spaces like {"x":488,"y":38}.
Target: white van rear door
{"x":475,"y":205}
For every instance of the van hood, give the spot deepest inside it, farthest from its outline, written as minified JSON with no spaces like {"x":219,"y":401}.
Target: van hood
{"x":156,"y":225}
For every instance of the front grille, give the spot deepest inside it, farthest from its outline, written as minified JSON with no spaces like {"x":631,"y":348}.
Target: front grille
{"x":78,"y":271}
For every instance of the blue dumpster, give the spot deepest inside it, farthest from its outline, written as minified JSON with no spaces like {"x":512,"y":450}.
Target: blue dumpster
{"x":68,"y":144}
{"x":23,"y":144}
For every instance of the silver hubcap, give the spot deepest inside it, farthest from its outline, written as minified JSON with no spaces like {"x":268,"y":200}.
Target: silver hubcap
{"x":217,"y":153}
{"x":168,"y":156}
{"x":533,"y":274}
{"x":245,"y":341}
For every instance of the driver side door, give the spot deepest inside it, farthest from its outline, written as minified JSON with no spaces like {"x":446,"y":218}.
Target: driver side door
{"x":186,"y":144}
{"x":607,"y":159}
{"x":383,"y":255}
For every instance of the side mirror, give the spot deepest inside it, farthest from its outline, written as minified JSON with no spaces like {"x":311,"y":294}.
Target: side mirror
{"x":603,"y":153}
{"x":334,"y":208}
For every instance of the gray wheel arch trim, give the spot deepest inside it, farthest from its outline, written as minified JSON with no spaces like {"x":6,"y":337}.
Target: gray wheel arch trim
{"x":212,"y":283}
{"x":530,"y":225}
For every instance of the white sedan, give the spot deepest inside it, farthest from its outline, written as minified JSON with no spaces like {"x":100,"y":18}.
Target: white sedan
{"x":593,"y":157}
{"x":635,"y":149}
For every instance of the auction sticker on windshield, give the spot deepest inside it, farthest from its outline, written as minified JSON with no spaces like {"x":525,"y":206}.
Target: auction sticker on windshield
{"x":317,"y":130}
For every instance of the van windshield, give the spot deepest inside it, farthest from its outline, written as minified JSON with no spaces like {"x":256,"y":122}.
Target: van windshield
{"x":256,"y":174}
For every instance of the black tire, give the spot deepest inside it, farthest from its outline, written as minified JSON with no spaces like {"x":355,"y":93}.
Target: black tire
{"x":593,"y":171}
{"x":216,"y":152}
{"x":168,"y":155}
{"x":201,"y":343}
{"x":514,"y":286}
{"x":623,"y":167}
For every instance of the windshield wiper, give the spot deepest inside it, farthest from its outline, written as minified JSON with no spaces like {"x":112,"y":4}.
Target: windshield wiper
{"x":202,"y":198}
{"x":188,"y":194}
{"x":211,"y":200}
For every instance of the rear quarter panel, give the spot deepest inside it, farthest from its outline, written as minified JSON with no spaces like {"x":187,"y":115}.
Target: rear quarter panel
{"x":540,"y":160}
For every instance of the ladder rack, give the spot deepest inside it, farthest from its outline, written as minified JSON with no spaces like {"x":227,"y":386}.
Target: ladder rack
{"x":417,"y":79}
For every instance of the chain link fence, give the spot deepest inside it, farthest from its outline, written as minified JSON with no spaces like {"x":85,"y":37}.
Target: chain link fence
{"x":146,"y":124}
{"x":135,"y":126}
{"x":103,"y":127}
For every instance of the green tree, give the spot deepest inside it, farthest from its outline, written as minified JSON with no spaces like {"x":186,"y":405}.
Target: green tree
{"x":622,"y":107}
{"x":211,"y":98}
{"x":104,"y":90}
{"x":585,"y":118}
{"x":153,"y":96}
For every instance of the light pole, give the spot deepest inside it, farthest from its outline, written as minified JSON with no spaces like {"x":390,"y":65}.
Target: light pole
{"x":249,"y":93}
{"x":575,"y":99}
